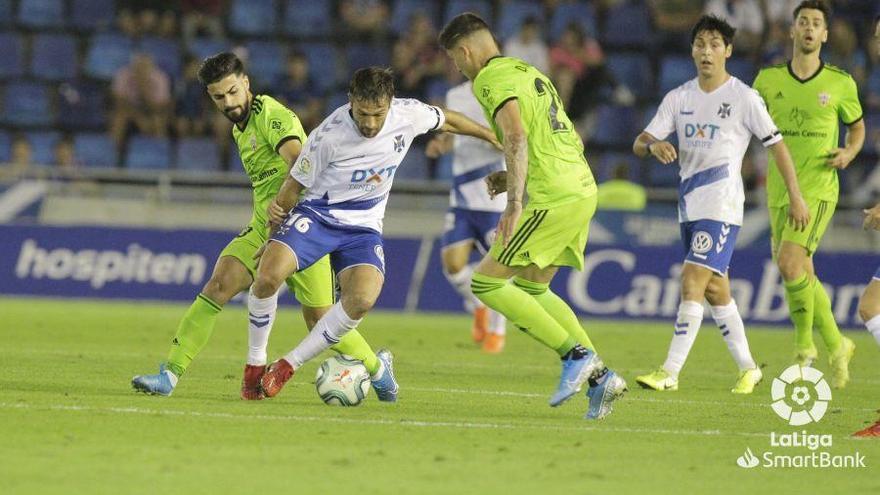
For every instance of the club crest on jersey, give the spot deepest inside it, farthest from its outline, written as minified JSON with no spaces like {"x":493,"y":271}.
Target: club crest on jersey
{"x":702,"y":242}
{"x":724,"y":110}
{"x":398,"y":143}
{"x":824,"y":98}
{"x":304,"y":166}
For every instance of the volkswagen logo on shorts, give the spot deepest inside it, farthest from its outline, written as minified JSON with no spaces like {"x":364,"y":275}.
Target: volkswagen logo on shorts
{"x":702,"y":242}
{"x":380,"y":253}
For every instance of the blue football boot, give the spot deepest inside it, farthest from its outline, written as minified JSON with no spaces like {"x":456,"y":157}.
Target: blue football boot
{"x":602,"y":395}
{"x":574,"y":373}
{"x":162,"y":383}
{"x":385,"y":385}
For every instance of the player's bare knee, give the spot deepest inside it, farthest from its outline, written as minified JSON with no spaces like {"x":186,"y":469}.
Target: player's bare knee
{"x":266,"y":284}
{"x":692,"y":289}
{"x":357,"y":305}
{"x":869,"y":308}
{"x":452,"y":267}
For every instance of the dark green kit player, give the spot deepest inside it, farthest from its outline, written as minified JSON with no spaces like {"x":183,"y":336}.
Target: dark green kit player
{"x":269,"y":138}
{"x":807,"y":99}
{"x":550,"y":230}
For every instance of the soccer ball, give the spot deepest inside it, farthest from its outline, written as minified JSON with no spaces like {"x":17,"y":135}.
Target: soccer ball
{"x":342,"y":381}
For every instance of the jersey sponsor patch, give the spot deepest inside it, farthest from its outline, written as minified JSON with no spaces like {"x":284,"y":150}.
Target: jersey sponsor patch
{"x":702,"y":242}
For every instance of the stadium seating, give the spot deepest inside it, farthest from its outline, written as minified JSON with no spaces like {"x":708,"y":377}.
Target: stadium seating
{"x":202,"y":48}
{"x":82,"y":105}
{"x":95,"y":149}
{"x":12,"y":62}
{"x":633,"y":70}
{"x":359,"y":55}
{"x":89,"y":15}
{"x":628,"y":24}
{"x":514,"y":13}
{"x":336,"y":100}
{"x":43,"y":146}
{"x":322,"y":64}
{"x":253,"y":17}
{"x":660,"y":175}
{"x":41,"y":13}
{"x":405,"y":9}
{"x":603,"y":168}
{"x":26,"y":104}
{"x":675,"y":70}
{"x":481,"y":7}
{"x":5,"y":12}
{"x":197,"y":155}
{"x":414,"y":166}
{"x":304,"y":18}
{"x":578,"y":12}
{"x":54,"y":57}
{"x":265,"y":62}
{"x":5,"y":146}
{"x":146,"y":152}
{"x":166,"y":54}
{"x":742,"y":68}
{"x":107,"y":54}
{"x":616,"y":128}
{"x":233,"y":163}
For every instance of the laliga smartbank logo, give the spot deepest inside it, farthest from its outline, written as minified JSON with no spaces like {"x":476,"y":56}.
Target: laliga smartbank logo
{"x":800,"y":396}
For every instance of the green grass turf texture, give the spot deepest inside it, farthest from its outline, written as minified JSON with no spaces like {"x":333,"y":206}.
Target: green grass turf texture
{"x":466,"y":422}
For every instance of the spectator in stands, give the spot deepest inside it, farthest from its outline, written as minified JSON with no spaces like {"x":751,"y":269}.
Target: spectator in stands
{"x":620,"y":193}
{"x":364,"y":17}
{"x":63,"y":155}
{"x":528,"y":45}
{"x":777,"y":46}
{"x":746,"y":16}
{"x":674,"y":20}
{"x":416,"y":58}
{"x":844,"y":52}
{"x":191,"y":110}
{"x":127,"y":23}
{"x":20,"y":160}
{"x":141,"y":96}
{"x":201,"y":18}
{"x":780,"y":11}
{"x":298,"y":91}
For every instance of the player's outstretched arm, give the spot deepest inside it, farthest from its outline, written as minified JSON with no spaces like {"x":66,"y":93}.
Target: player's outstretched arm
{"x":439,"y":145}
{"x":840,"y":158}
{"x":516,"y":156}
{"x":798,"y":213}
{"x":646,"y":144}
{"x":458,"y":123}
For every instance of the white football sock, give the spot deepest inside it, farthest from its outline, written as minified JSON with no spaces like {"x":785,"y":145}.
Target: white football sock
{"x":497,"y":323}
{"x":327,"y":332}
{"x":732,"y":329}
{"x":874,"y":327}
{"x":687,"y":325}
{"x":461,"y":281}
{"x":261,"y":317}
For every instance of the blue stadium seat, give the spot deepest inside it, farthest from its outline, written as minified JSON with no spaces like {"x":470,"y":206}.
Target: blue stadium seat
{"x":26,"y":103}
{"x":41,"y":13}
{"x":579,"y":12}
{"x":444,"y":168}
{"x":322,"y":64}
{"x":414,"y":166}
{"x":12,"y":61}
{"x":144,"y":152}
{"x":95,"y":149}
{"x":107,"y":54}
{"x":481,"y":7}
{"x":513,"y":13}
{"x":202,"y":48}
{"x":742,"y":68}
{"x":197,"y":155}
{"x":307,"y":18}
{"x":603,"y":168}
{"x":43,"y":146}
{"x":660,"y":175}
{"x":92,"y":14}
{"x":633,"y":70}
{"x":405,"y":9}
{"x":5,"y":12}
{"x":265,"y":62}
{"x":54,"y":56}
{"x":617,"y":126}
{"x":82,"y":105}
{"x":359,"y":55}
{"x":336,"y":100}
{"x":166,"y":54}
{"x":5,"y":147}
{"x":675,"y":70}
{"x":253,"y":17}
{"x":233,"y":164}
{"x":628,"y":24}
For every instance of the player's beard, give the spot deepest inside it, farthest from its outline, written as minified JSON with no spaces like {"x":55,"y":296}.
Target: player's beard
{"x":245,"y":110}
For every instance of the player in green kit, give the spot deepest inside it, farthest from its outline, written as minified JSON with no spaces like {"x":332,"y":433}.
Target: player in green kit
{"x":806,"y":99}
{"x":269,"y":138}
{"x":541,"y":149}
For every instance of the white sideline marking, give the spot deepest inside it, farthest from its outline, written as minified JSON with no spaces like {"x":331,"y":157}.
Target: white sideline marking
{"x":385,"y":422}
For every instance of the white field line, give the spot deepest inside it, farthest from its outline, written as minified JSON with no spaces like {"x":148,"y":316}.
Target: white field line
{"x":379,"y":422}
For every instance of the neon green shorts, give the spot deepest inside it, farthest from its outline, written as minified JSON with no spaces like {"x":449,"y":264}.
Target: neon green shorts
{"x":780,"y":230}
{"x":552,"y":237}
{"x":314,"y":287}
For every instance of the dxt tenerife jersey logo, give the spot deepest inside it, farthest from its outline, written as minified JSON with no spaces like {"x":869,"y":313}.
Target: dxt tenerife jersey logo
{"x":369,"y":179}
{"x":700,"y":135}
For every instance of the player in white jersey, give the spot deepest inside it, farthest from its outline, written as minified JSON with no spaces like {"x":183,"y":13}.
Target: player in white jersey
{"x":714,"y":115}
{"x":333,"y":202}
{"x":473,"y":214}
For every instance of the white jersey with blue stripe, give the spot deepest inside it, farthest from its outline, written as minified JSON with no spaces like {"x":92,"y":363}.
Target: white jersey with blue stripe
{"x":714,"y":130}
{"x":348,"y":176}
{"x":472,"y":159}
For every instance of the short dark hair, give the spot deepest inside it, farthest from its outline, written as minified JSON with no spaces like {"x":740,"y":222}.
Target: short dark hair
{"x":218,"y":66}
{"x":460,"y":26}
{"x":813,"y":4}
{"x":713,"y":23}
{"x":372,"y":84}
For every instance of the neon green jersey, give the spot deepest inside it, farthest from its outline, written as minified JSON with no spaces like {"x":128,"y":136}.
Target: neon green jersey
{"x":269,"y":125}
{"x":558,"y":172}
{"x":807,"y":112}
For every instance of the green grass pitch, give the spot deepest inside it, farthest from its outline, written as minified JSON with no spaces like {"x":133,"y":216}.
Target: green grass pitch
{"x":465,"y":423}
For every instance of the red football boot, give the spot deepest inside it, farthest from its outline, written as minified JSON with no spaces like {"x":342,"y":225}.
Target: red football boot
{"x":276,"y":376}
{"x":871,"y":431}
{"x":250,"y":382}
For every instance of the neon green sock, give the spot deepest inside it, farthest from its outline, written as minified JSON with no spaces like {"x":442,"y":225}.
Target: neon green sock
{"x":823,"y":318}
{"x":801,"y":303}
{"x":557,"y":308}
{"x":523,"y":310}
{"x":353,"y":344}
{"x":193,"y":332}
